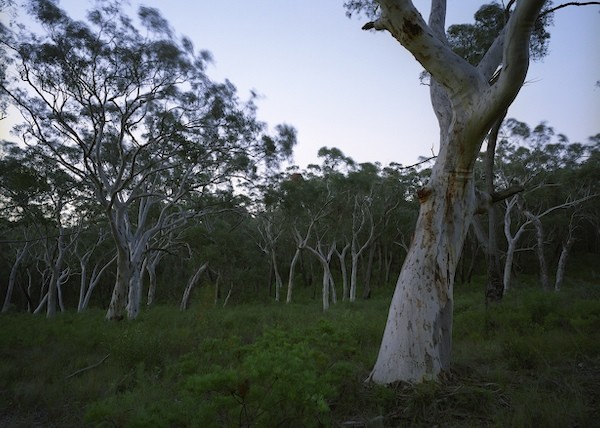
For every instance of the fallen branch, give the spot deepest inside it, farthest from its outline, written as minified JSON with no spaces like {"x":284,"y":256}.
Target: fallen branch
{"x":87,"y":368}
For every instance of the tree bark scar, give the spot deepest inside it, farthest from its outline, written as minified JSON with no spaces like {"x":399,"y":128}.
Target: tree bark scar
{"x":411,"y":29}
{"x":423,"y":194}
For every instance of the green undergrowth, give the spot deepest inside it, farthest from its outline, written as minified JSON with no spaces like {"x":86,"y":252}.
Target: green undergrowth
{"x":533,"y":360}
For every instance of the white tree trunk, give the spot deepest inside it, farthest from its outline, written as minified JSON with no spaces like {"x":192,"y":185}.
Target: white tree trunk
{"x":118,"y":301}
{"x":539,"y":233}
{"x":342,"y":259}
{"x":416,"y":343}
{"x":12,"y":277}
{"x":328,"y":285}
{"x":562,"y":261}
{"x":360,"y":216}
{"x":511,"y":241}
{"x":417,"y":339}
{"x":290,"y":286}
{"x":278,"y":281}
{"x":92,"y":283}
{"x":185,"y":300}
{"x":134,"y":297}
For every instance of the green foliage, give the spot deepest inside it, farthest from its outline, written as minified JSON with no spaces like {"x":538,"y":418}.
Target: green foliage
{"x":281,"y":380}
{"x":532,"y":360}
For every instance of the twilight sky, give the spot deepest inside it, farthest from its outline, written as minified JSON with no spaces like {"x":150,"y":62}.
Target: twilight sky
{"x":359,"y":91}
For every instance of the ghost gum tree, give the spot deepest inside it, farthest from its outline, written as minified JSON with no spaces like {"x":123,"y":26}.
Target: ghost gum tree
{"x":127,"y":111}
{"x":416,"y":344}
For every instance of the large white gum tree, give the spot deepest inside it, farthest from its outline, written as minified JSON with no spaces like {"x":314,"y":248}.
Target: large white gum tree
{"x":467,"y":100}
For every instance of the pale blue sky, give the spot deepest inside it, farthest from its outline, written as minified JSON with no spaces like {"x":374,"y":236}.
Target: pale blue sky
{"x":359,"y":91}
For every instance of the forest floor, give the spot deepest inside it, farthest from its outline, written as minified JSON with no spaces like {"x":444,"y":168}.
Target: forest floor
{"x":531,"y":361}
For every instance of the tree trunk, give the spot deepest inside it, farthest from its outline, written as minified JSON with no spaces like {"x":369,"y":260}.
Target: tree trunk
{"x":494,"y":287}
{"x":511,"y":241}
{"x":342,"y":259}
{"x":56,"y":269}
{"x":562,"y":261}
{"x":290,"y":287}
{"x":278,"y":281}
{"x":118,"y":301}
{"x":134,"y":297}
{"x":92,"y":283}
{"x":12,"y":277}
{"x":185,"y":300}
{"x":417,"y":340}
{"x":327,"y":283}
{"x":539,"y":232}
{"x":416,"y":343}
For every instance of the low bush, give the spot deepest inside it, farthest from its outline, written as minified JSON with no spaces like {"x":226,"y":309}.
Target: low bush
{"x":533,"y":360}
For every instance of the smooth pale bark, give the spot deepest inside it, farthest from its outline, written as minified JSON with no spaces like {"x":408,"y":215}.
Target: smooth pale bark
{"x":539,"y":233}
{"x":185,"y":300}
{"x":290,"y":286}
{"x":55,"y":259}
{"x":118,"y":301}
{"x":278,"y":280}
{"x":85,"y":290}
{"x":328,"y":284}
{"x":341,"y":255}
{"x":416,"y":343}
{"x":534,"y":219}
{"x":360,"y":216}
{"x":511,"y":241}
{"x":562,"y":260}
{"x":131,"y":240}
{"x":150,"y":263}
{"x":12,"y":277}
{"x":301,"y":242}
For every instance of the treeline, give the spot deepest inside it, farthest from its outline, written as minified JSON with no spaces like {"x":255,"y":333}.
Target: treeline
{"x":334,"y":231}
{"x":137,"y":177}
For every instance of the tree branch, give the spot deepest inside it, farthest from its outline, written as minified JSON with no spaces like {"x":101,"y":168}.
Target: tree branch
{"x":506,"y":193}
{"x":405,"y":24}
{"x":515,"y":61}
{"x":572,"y":3}
{"x":87,"y":368}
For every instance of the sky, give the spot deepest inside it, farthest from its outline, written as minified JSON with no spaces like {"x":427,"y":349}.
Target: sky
{"x":359,"y":91}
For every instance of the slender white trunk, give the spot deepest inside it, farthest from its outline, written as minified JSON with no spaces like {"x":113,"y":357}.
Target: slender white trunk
{"x":93,"y":282}
{"x":353,"y":276}
{"x":118,"y":301}
{"x":278,"y":281}
{"x":328,"y":285}
{"x":185,"y":300}
{"x":326,"y":282}
{"x":134,"y":298}
{"x":508,"y":261}
{"x":511,"y":241}
{"x":539,"y":233}
{"x":56,"y":274}
{"x":83,"y":284}
{"x":562,"y":261}
{"x":12,"y":277}
{"x":290,"y":286}
{"x":342,"y":258}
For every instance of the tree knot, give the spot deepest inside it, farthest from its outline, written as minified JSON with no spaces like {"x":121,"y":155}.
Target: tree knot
{"x":423,"y":193}
{"x":411,"y":29}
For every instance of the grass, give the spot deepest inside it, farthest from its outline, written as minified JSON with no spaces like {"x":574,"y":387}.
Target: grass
{"x":533,"y":360}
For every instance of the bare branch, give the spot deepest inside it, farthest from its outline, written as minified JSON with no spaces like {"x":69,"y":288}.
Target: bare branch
{"x":506,"y":193}
{"x":87,"y":368}
{"x":572,"y":3}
